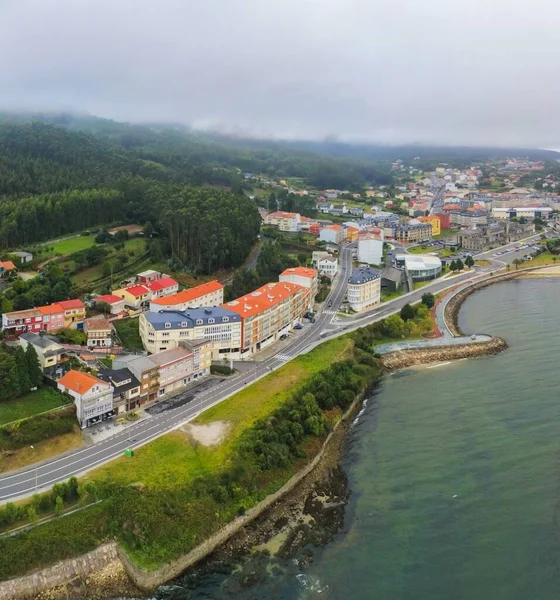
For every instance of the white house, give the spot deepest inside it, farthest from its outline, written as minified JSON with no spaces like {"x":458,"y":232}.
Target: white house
{"x":92,"y":396}
{"x":327,"y":265}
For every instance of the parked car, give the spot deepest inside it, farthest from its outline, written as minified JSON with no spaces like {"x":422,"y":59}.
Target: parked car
{"x":298,"y":326}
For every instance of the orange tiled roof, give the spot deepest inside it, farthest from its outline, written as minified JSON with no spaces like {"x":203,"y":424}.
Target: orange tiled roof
{"x":78,"y":381}
{"x":190,"y":294}
{"x":8,"y":265}
{"x":51,"y":309}
{"x":263,"y":298}
{"x":67,"y":304}
{"x":301,"y":271}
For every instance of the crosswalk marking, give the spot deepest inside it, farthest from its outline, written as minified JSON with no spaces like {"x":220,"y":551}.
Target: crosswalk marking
{"x":329,"y":312}
{"x":283,"y":357}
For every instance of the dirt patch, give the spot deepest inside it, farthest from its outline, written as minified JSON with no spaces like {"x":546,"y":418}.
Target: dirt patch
{"x":207,"y":435}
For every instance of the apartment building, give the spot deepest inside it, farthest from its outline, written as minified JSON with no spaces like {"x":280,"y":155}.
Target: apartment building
{"x":434,"y":221}
{"x":206,"y":294}
{"x":333,"y":234}
{"x":164,"y":329}
{"x":306,"y":278}
{"x":99,"y":333}
{"x":17,"y":322}
{"x":126,"y":389}
{"x":92,"y":396}
{"x":285,"y":221}
{"x":370,"y":245}
{"x":412,"y":234}
{"x":268,"y":313}
{"x":175,"y":368}
{"x":364,"y":289}
{"x":145,"y":371}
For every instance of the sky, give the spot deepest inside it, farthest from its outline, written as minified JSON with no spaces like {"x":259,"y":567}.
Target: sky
{"x":457,"y":72}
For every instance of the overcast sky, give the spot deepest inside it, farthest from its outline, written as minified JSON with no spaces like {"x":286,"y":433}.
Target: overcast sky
{"x":445,"y":71}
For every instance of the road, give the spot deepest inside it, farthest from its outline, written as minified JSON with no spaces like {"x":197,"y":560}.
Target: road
{"x":42,"y":476}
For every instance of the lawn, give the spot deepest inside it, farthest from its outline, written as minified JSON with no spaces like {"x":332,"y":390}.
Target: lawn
{"x":33,"y":403}
{"x":421,"y":249}
{"x":66,"y":247}
{"x":128,"y":333}
{"x":542,"y":259}
{"x":172,"y":458}
{"x":386,"y":296}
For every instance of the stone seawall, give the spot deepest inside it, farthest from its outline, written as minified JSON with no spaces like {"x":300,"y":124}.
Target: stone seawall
{"x":67,"y":576}
{"x":420,"y":356}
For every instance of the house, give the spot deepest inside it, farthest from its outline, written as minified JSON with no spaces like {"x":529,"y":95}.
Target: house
{"x":364,"y":289}
{"x":17,"y":322}
{"x":285,"y":221}
{"x":23,"y":257}
{"x":53,"y":317}
{"x":145,"y":371}
{"x":333,"y":234}
{"x":92,"y":396}
{"x":317,"y":255}
{"x":126,"y":389}
{"x":115,"y":303}
{"x":134,"y":296}
{"x":49,"y":352}
{"x":327,"y":265}
{"x":99,"y":333}
{"x":6,"y":267}
{"x":148,"y":276}
{"x":206,"y":294}
{"x":74,"y":313}
{"x":306,"y":278}
{"x":267,"y":314}
{"x":165,"y":329}
{"x":357,"y":212}
{"x":165,"y":286}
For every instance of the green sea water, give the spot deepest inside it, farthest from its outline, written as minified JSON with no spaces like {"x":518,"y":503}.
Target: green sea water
{"x":454,"y":474}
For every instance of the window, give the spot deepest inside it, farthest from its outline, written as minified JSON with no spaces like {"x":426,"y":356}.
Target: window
{"x":225,"y":319}
{"x":184,"y":324}
{"x":168,"y":326}
{"x":211,"y":321}
{"x":199,"y":321}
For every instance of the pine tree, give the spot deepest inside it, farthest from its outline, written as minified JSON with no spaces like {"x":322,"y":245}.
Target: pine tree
{"x":24,"y":383}
{"x":8,"y":376}
{"x":33,"y":366}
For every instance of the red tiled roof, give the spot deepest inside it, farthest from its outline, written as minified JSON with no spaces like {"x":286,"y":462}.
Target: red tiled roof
{"x":137,"y":290}
{"x":8,"y":265}
{"x":301,"y":271}
{"x":108,"y":298}
{"x":161,"y":284}
{"x":190,"y":294}
{"x":67,"y":304}
{"x":51,"y":309}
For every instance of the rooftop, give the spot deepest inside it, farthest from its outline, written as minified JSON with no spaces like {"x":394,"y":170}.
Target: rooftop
{"x":51,"y":309}
{"x":363,"y":275}
{"x":108,"y":299}
{"x":263,"y":298}
{"x":137,"y":290}
{"x":191,"y":317}
{"x":40,"y":341}
{"x":98,"y":325}
{"x":78,"y":381}
{"x":161,"y":284}
{"x":169,"y":356}
{"x":301,"y":271}
{"x":190,"y":294}
{"x":68,"y":304}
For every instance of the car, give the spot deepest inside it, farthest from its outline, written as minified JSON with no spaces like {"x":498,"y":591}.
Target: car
{"x":283,"y":336}
{"x":329,"y":304}
{"x":298,"y":326}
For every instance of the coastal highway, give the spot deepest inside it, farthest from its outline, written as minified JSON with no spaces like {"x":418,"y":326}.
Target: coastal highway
{"x":42,"y":476}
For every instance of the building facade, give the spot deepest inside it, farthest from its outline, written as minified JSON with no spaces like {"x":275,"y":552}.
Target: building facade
{"x":145,"y":371}
{"x":285,"y":221}
{"x":413,"y":234}
{"x":434,"y":221}
{"x":99,"y":333}
{"x":370,"y":246}
{"x":364,"y":289}
{"x":92,"y":396}
{"x":306,"y":278}
{"x":206,"y":294}
{"x":126,"y":389}
{"x":49,"y":352}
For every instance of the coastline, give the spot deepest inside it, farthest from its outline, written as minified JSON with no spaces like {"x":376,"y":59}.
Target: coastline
{"x":308,"y":509}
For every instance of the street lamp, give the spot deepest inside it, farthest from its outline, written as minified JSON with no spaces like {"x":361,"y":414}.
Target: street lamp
{"x":36,"y":467}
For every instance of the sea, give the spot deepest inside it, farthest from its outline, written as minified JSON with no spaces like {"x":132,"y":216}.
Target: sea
{"x":454,"y":474}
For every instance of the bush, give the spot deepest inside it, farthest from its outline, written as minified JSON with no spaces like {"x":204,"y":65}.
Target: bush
{"x":221,"y":370}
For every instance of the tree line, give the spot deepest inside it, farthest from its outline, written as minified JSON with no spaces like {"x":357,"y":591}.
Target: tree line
{"x":19,"y":371}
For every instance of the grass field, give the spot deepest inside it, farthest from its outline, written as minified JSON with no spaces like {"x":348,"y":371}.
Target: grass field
{"x":32,"y":404}
{"x":128,"y":333}
{"x":67,"y":247}
{"x":173,"y":458}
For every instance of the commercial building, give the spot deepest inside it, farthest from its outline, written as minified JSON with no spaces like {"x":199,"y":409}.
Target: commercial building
{"x":306,"y":278}
{"x":391,"y":279}
{"x":206,"y":294}
{"x":268,"y":313}
{"x":468,"y":218}
{"x":165,"y":329}
{"x":420,"y":267}
{"x":49,"y":352}
{"x":99,"y":333}
{"x":495,"y":234}
{"x":285,"y":221}
{"x":370,"y":246}
{"x":527,"y":212}
{"x":92,"y":396}
{"x":126,"y":389}
{"x":434,"y":221}
{"x":413,"y":234}
{"x":364,"y":289}
{"x":145,"y":371}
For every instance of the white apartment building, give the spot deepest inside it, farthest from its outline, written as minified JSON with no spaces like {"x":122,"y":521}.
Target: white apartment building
{"x":164,"y":330}
{"x":306,"y":278}
{"x":92,"y":396}
{"x":364,"y":289}
{"x":285,"y":221}
{"x":370,"y":246}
